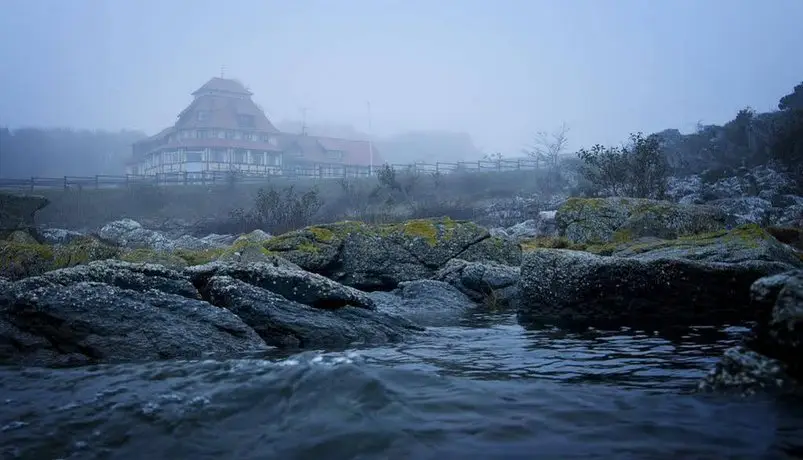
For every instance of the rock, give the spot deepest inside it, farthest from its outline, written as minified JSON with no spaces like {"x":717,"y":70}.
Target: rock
{"x":543,"y":226}
{"x":512,"y":210}
{"x":287,"y":280}
{"x":779,"y":331}
{"x":126,"y":275}
{"x":219,"y":241}
{"x":55,"y":236}
{"x":605,"y":220}
{"x":192,"y":243}
{"x":131,"y":234}
{"x":688,"y":187}
{"x":747,"y":243}
{"x":379,"y":257}
{"x":490,"y":283}
{"x":746,"y":372}
{"x":575,"y":287}
{"x":257,"y":236}
{"x":745,"y":209}
{"x":425,"y":302}
{"x":149,"y":256}
{"x":21,"y":237}
{"x":89,"y":322}
{"x":17,"y":212}
{"x":22,"y":259}
{"x":288,"y":324}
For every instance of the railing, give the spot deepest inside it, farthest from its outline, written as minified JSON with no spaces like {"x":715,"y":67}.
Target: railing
{"x":321,"y":171}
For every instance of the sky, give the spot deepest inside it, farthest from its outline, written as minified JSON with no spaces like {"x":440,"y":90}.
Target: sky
{"x":500,"y":70}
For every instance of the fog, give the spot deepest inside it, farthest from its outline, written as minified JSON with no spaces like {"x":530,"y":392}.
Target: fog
{"x":498,"y":71}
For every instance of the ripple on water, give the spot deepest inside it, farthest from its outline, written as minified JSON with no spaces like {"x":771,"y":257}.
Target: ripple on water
{"x":461,"y":392}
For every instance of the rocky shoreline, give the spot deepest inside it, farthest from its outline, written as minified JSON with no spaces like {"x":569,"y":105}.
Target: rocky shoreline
{"x":129,"y":293}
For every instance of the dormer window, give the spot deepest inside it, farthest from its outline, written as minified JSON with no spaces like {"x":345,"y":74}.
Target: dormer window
{"x":245,"y":121}
{"x":335,"y":155}
{"x":202,"y":115}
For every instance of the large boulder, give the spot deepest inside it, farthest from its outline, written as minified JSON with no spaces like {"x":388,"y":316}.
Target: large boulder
{"x":606,"y":220}
{"x":379,"y":257}
{"x":490,"y":283}
{"x":17,"y":212}
{"x":120,"y":311}
{"x":286,"y":323}
{"x":684,"y":281}
{"x":772,"y":356}
{"x":42,"y":323}
{"x":425,"y":302}
{"x":779,"y":331}
{"x":287,"y":280}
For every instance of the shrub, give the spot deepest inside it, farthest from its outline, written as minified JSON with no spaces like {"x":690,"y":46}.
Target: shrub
{"x":639,"y":169}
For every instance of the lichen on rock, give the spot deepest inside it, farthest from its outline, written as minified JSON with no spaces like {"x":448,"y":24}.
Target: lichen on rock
{"x":607,"y":220}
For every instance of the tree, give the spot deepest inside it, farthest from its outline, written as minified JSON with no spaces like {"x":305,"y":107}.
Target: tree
{"x":793,"y":101}
{"x":549,"y":147}
{"x":787,"y":145}
{"x":639,"y":169}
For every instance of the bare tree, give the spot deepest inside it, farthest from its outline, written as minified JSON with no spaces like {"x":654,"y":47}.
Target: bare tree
{"x":548,"y":147}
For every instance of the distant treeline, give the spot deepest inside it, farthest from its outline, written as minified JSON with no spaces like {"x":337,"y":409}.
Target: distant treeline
{"x":57,"y":152}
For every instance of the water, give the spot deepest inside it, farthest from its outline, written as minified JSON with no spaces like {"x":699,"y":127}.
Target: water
{"x":486,"y":390}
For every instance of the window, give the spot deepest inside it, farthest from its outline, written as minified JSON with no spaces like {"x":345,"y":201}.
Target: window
{"x":238,"y":135}
{"x":170,"y":157}
{"x":221,"y":134}
{"x":200,"y":134}
{"x":257,"y":158}
{"x":230,"y":134}
{"x":240,"y":155}
{"x":335,"y":155}
{"x":219,"y":155}
{"x":203,"y":115}
{"x":250,"y":136}
{"x":186,"y":134}
{"x":194,"y":157}
{"x":245,"y":121}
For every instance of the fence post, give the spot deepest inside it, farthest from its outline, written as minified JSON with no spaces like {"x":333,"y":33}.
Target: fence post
{"x":33,"y":183}
{"x":184,"y":174}
{"x":66,"y":184}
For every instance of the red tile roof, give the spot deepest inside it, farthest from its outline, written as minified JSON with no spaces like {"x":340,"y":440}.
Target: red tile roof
{"x":313,"y":149}
{"x":355,"y":152}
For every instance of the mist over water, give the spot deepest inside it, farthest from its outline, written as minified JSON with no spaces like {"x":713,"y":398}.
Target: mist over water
{"x":494,"y":391}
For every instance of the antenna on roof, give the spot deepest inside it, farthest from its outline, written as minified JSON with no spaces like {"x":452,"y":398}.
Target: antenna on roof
{"x":222,"y":71}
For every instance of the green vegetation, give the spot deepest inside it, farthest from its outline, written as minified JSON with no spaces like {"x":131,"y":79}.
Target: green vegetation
{"x":639,"y":169}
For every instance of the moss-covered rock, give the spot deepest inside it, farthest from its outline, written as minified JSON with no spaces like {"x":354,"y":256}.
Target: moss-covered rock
{"x":166,"y":259}
{"x":18,"y":260}
{"x":742,"y":244}
{"x":17,"y":213}
{"x":381,"y":256}
{"x":599,"y":221}
{"x":23,"y":259}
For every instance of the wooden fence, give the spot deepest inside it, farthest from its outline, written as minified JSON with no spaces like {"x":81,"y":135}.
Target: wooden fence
{"x":231,"y":177}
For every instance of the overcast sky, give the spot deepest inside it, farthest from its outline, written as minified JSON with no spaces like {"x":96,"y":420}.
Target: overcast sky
{"x":497,"y":69}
